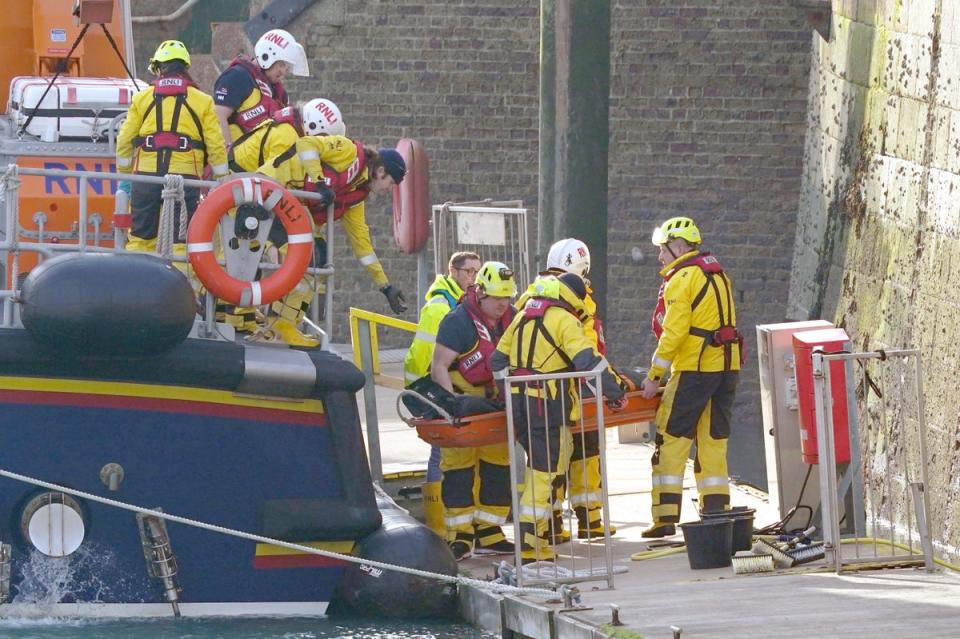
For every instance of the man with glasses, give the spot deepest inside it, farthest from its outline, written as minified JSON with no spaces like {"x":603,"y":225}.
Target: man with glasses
{"x":475,"y":487}
{"x":441,"y":298}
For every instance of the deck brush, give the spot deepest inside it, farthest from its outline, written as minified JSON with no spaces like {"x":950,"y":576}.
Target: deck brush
{"x":780,"y":558}
{"x":746,"y":562}
{"x":806,"y":554}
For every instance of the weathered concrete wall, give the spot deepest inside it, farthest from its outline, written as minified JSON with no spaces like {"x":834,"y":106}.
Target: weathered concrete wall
{"x":878,"y":237}
{"x":707,"y":120}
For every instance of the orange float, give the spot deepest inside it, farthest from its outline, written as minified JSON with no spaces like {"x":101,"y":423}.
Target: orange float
{"x":286,"y":208}
{"x":411,"y":199}
{"x":491,"y":428}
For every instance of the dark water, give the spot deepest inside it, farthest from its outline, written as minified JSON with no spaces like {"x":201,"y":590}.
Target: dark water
{"x":260,"y":628}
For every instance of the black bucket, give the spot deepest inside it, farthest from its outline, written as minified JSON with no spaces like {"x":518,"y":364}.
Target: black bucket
{"x":709,"y":542}
{"x":742,"y":525}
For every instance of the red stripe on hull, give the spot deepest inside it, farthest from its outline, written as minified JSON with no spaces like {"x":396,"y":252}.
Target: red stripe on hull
{"x":151,"y":404}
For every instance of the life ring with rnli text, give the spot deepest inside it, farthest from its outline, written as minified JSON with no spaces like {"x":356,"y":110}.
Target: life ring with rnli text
{"x":286,"y":208}
{"x":411,"y":199}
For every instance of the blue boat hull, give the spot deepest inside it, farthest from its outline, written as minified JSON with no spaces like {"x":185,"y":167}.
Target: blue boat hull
{"x":282,"y":468}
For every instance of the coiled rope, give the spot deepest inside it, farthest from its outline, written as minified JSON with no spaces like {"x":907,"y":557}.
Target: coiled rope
{"x":172,"y":195}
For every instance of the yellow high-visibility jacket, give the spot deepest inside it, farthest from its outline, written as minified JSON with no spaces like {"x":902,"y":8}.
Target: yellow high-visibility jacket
{"x":338,"y":152}
{"x":570,"y":339}
{"x":263,"y":144}
{"x":692,"y":301}
{"x":142,"y":121}
{"x":441,"y":298}
{"x":589,"y":322}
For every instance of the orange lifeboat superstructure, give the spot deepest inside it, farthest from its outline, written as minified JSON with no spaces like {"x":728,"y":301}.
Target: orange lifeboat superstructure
{"x":92,"y":88}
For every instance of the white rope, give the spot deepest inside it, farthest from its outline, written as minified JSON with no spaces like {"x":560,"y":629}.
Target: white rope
{"x":486,"y":585}
{"x":172,"y":195}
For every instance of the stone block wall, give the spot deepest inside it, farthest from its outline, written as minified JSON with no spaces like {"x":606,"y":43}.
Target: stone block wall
{"x":707,"y":117}
{"x":878,"y":236}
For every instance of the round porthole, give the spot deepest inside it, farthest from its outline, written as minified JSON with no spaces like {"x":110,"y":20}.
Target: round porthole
{"x":53,"y":524}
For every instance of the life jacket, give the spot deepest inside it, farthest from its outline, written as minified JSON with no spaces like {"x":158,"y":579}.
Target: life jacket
{"x":724,"y":336}
{"x":474,"y":365}
{"x":273,"y":97}
{"x":349,"y":187}
{"x":165,"y":143}
{"x":601,"y":337}
{"x":287,"y":115}
{"x":534,"y":311}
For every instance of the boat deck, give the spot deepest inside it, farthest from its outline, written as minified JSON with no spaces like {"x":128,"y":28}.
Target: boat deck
{"x":655,"y":595}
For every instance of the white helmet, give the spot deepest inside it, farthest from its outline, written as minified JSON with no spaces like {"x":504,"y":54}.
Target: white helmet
{"x":322,"y":117}
{"x":569,"y":255}
{"x":278,"y":44}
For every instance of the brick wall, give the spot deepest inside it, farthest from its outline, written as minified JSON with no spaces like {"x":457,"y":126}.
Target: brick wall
{"x":707,"y":114}
{"x":708,"y":101}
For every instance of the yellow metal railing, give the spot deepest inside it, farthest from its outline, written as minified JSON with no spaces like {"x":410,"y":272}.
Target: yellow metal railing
{"x":366,"y":357}
{"x":374,"y":320}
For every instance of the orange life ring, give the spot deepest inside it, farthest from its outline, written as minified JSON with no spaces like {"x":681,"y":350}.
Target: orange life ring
{"x":411,"y":199}
{"x":286,"y":208}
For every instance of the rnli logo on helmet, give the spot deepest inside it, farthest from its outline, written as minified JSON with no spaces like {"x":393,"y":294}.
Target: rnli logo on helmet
{"x":253,"y":113}
{"x":582,"y":252}
{"x":473,"y":359}
{"x":327,"y":113}
{"x":277,"y":39}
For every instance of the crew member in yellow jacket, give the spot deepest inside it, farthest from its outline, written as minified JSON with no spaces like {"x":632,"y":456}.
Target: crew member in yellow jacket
{"x":265,"y":142}
{"x":547,"y":336}
{"x":695,"y":323}
{"x":171,"y":127}
{"x":441,"y":298}
{"x":344,"y":173}
{"x":571,"y":255}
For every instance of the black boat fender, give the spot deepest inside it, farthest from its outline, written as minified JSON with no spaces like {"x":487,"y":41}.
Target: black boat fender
{"x":107,"y":304}
{"x":402,"y":541}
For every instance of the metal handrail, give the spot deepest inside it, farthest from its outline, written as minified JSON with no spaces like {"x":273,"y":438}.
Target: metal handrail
{"x":11,"y":243}
{"x":596,"y":375}
{"x":363,"y":337}
{"x":375,"y":319}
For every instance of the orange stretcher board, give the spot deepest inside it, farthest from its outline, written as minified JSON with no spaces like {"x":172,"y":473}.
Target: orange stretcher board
{"x":491,"y":428}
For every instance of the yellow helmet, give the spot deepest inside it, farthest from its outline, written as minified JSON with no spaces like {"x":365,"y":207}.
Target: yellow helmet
{"x":496,"y":280}
{"x":682,"y":227}
{"x":167,"y":51}
{"x":569,"y":288}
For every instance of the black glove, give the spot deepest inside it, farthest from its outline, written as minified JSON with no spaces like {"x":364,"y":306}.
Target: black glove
{"x":395,"y":298}
{"x":326,"y":195}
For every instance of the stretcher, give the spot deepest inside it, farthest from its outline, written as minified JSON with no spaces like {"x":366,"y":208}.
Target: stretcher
{"x":491,"y":428}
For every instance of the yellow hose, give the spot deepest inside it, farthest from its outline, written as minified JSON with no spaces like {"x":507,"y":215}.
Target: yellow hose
{"x":885,"y":542}
{"x":666,"y":552}
{"x":656,"y":554}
